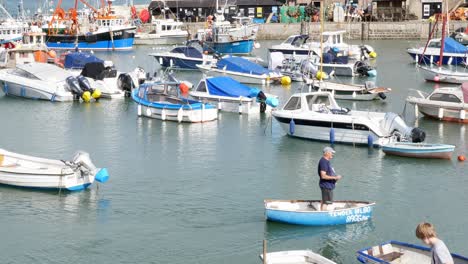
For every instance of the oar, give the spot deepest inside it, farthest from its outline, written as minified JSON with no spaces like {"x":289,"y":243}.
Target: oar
{"x":264,"y":252}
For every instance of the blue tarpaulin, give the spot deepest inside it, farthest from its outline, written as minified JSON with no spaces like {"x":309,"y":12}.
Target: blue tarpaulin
{"x":238,"y":64}
{"x":188,"y":51}
{"x":453,"y":46}
{"x":226,"y":86}
{"x":77,"y":60}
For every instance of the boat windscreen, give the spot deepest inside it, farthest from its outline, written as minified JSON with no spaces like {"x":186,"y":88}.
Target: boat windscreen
{"x":293,"y":104}
{"x":443,"y":97}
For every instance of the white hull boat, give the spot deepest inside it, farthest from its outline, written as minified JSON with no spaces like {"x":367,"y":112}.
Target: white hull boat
{"x":354,"y":92}
{"x":231,"y":96}
{"x":317,"y":116}
{"x":40,"y":81}
{"x":238,"y":76}
{"x":32,"y":172}
{"x":446,"y":104}
{"x":443,"y":75}
{"x":165,"y":32}
{"x":295,"y":257}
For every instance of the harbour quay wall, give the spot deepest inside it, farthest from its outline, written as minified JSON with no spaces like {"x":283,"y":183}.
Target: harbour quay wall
{"x":416,"y":29}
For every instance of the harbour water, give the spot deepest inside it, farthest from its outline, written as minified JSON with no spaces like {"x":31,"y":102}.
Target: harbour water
{"x":193,"y":193}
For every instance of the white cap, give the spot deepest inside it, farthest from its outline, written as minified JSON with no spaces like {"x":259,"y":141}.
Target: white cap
{"x":328,"y":149}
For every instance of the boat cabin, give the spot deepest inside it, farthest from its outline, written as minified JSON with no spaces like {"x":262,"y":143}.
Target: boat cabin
{"x":109,"y":22}
{"x":445,"y":95}
{"x":321,"y":102}
{"x":334,"y":38}
{"x":166,"y":26}
{"x":161,"y":92}
{"x":33,"y":49}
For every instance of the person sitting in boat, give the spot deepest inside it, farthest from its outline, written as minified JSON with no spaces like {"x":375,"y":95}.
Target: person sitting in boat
{"x":328,"y":178}
{"x":439,"y":251}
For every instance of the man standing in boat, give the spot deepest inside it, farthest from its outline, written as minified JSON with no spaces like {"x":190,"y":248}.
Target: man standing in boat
{"x":328,"y":177}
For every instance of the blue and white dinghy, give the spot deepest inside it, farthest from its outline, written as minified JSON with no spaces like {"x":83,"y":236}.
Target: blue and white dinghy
{"x":419,"y":150}
{"x":231,"y":96}
{"x":162,"y":100}
{"x":400,"y":252}
{"x":307,"y":212}
{"x":242,"y":70}
{"x":33,"y":172}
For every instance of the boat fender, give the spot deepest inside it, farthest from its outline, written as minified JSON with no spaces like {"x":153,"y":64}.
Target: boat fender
{"x":332,"y":136}
{"x":372,"y":73}
{"x":462,"y":114}
{"x":139,"y":110}
{"x":417,"y":135}
{"x":382,"y":95}
{"x":254,"y":92}
{"x":102,"y":176}
{"x":292,"y":127}
{"x":272,"y":101}
{"x":370,"y":141}
{"x":220,"y":105}
{"x":416,"y":110}
{"x":163,"y":114}
{"x":441,"y":113}
{"x":354,"y":94}
{"x":180,"y":114}
{"x":86,"y":96}
{"x":148,"y":111}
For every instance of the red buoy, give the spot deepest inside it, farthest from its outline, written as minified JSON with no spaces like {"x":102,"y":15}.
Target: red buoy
{"x":184,"y":89}
{"x":461,"y":158}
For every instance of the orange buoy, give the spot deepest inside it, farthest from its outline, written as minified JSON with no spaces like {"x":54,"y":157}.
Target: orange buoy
{"x":461,"y":158}
{"x":184,"y":88}
{"x":52,"y":54}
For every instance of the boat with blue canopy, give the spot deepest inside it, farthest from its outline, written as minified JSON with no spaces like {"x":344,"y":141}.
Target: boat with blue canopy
{"x":307,"y":212}
{"x":454,"y":53}
{"x":231,"y":96}
{"x":242,"y":70}
{"x":400,"y":252}
{"x":183,"y":57}
{"x":162,"y":99}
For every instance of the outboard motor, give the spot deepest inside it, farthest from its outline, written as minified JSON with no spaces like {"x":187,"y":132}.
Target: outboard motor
{"x":74,"y":87}
{"x":364,"y":69}
{"x":83,"y":160}
{"x":308,"y":68}
{"x":125,"y":83}
{"x":263,"y":99}
{"x":84,"y":84}
{"x":395,"y":125}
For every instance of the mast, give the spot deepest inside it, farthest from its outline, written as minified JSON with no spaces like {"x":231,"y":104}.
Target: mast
{"x":442,"y":40}
{"x":321,"y":39}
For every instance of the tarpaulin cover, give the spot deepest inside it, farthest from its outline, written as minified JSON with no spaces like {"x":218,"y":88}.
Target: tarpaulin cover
{"x":77,"y":60}
{"x":453,"y":46}
{"x":226,"y":86}
{"x":238,"y":64}
{"x":188,"y":51}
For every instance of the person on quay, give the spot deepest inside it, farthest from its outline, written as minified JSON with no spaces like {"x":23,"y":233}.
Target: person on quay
{"x":439,"y":251}
{"x":328,"y":177}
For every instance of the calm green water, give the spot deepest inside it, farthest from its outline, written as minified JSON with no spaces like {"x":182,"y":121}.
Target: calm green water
{"x":193,"y":193}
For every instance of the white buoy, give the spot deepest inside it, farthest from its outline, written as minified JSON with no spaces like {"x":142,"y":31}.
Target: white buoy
{"x":240,"y":108}
{"x":160,"y":60}
{"x":416,"y":58}
{"x":139,"y":110}
{"x":148,"y":111}
{"x":220,"y":105}
{"x":180,"y":114}
{"x":462,"y":114}
{"x":171,"y":62}
{"x":441,"y":113}
{"x":450,"y":60}
{"x":163,"y":114}
{"x":432,"y":59}
{"x":416,"y":110}
{"x":354,"y":94}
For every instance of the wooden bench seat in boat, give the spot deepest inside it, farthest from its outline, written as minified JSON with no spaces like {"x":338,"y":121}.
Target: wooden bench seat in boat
{"x":386,"y":252}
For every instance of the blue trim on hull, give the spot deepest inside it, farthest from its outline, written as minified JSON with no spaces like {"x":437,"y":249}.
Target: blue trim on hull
{"x":319,"y":218}
{"x":236,"y":47}
{"x":119,"y":44}
{"x":435,"y":58}
{"x":72,"y":189}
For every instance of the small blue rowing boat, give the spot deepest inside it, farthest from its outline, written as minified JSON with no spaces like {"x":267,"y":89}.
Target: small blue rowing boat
{"x":400,"y":252}
{"x":419,"y":150}
{"x":307,"y":212}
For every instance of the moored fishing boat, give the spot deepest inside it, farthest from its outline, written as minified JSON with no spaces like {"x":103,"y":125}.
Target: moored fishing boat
{"x":317,"y":116}
{"x":307,"y":212}
{"x":232,"y":96}
{"x":446,"y":104}
{"x":162,"y":100}
{"x":419,"y":150}
{"x":33,"y":172}
{"x":296,"y":257}
{"x":400,"y":252}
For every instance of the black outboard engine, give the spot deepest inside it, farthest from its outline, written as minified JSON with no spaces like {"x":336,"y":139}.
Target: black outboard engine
{"x":84,"y":84}
{"x":417,"y":135}
{"x":125,"y":83}
{"x":261,"y":97}
{"x":362,"y":68}
{"x":74,"y":87}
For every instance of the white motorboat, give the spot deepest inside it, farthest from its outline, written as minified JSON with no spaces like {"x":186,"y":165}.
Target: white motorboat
{"x":232,"y":96}
{"x":453,"y":53}
{"x":44,"y":81}
{"x":242,"y":70}
{"x":300,"y":46}
{"x":102,"y":74}
{"x":356,"y":92}
{"x":443,"y":75}
{"x":164,"y":32}
{"x":446,"y":104}
{"x":33,"y":172}
{"x":317,"y":116}
{"x":296,"y":257}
